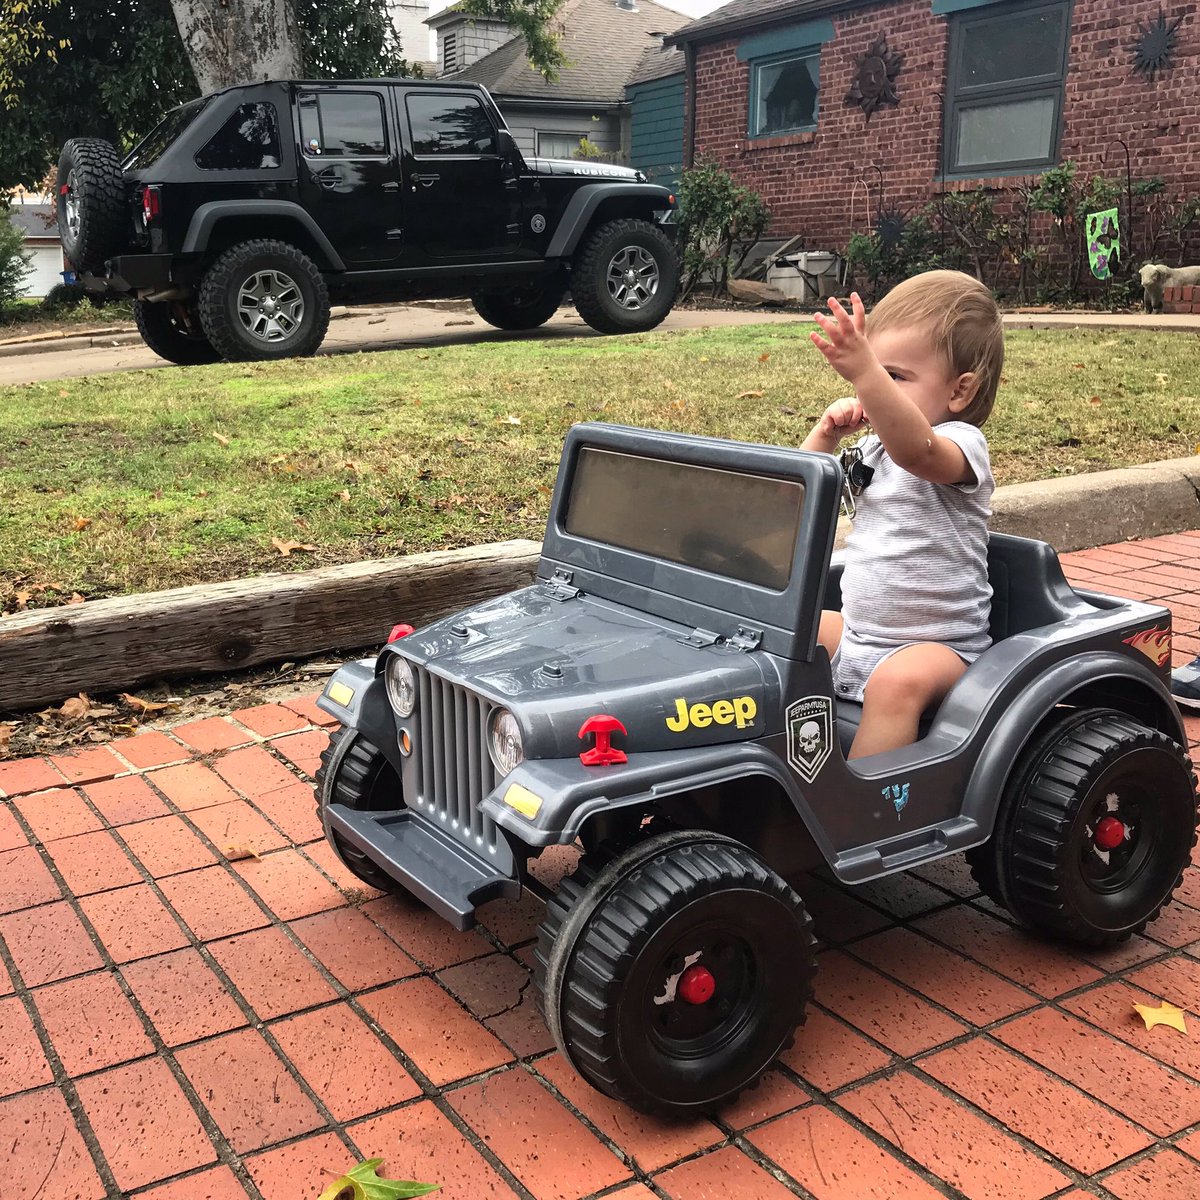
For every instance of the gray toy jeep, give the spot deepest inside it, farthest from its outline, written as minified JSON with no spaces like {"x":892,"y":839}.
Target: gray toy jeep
{"x":658,"y":696}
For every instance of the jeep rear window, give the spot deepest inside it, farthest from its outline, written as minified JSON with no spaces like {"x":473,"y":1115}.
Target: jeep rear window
{"x":722,"y":522}
{"x":248,"y":141}
{"x":342,"y":124}
{"x":152,"y":147}
{"x":450,"y":125}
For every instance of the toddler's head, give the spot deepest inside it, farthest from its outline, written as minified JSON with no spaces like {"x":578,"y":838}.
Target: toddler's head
{"x":959,"y":319}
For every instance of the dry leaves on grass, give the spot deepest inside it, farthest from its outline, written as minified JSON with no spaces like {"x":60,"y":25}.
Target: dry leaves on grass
{"x":81,"y":523}
{"x":145,"y":707}
{"x":221,"y":438}
{"x":6,"y":732}
{"x":752,"y":395}
{"x":287,"y":548}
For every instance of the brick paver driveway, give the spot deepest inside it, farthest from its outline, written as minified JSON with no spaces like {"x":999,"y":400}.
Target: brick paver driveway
{"x":198,"y":1003}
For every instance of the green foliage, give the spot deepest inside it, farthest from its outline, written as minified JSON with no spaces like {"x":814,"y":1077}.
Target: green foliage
{"x":362,"y":1183}
{"x":122,"y":64}
{"x":533,"y":20}
{"x":62,"y":298}
{"x":23,"y":40}
{"x":587,"y":149}
{"x":716,"y":214}
{"x":14,"y":260}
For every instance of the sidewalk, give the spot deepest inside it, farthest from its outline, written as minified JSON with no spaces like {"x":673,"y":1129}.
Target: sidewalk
{"x":198,"y":1003}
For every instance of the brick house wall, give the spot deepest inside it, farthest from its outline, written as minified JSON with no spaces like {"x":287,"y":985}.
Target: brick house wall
{"x":810,"y":179}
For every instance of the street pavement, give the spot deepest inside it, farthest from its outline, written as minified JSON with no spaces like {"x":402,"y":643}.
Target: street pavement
{"x":198,"y":1002}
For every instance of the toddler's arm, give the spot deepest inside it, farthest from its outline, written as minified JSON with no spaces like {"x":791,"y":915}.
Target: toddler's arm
{"x":907,"y":436}
{"x":841,"y":419}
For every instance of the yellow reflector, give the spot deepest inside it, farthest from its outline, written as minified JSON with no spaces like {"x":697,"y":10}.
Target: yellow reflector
{"x":340,"y":693}
{"x":523,"y":800}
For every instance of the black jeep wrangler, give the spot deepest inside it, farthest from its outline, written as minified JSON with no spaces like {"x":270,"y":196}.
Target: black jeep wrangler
{"x":234,"y":222}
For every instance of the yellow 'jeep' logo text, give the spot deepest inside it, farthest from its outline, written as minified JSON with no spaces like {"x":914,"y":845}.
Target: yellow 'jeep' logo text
{"x":741,"y":709}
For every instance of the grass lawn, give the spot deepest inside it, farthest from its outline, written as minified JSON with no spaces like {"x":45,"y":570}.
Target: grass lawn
{"x":142,"y":480}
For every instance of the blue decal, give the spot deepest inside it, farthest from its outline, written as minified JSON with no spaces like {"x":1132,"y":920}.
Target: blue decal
{"x":897,"y":793}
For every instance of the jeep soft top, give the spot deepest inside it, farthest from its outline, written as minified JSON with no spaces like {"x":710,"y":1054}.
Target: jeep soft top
{"x":659,"y":697}
{"x":239,"y":215}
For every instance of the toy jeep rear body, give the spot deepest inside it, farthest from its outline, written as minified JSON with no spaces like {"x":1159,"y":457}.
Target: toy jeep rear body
{"x":673,"y":625}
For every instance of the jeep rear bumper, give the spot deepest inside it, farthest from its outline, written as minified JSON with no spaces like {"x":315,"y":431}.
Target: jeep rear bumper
{"x":133,"y":272}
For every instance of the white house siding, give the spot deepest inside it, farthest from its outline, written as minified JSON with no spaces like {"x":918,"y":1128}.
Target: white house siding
{"x":526,"y":123}
{"x":46,"y":265}
{"x":408,"y":17}
{"x":472,"y":37}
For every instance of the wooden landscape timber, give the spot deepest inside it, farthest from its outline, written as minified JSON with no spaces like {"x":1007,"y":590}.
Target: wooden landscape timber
{"x":109,"y":645}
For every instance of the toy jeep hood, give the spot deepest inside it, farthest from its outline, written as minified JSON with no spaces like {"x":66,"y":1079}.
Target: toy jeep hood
{"x":557,"y":664}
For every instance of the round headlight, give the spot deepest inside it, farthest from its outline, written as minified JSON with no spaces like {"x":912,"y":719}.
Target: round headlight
{"x":504,"y":741}
{"x":401,"y":685}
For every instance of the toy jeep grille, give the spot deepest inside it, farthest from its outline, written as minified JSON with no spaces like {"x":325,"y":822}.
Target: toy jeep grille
{"x":453,"y":769}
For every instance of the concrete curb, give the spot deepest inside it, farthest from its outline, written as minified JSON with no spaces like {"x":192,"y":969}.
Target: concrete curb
{"x":121,"y":336}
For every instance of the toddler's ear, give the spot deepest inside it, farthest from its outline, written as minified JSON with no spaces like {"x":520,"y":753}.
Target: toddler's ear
{"x":965,"y":387}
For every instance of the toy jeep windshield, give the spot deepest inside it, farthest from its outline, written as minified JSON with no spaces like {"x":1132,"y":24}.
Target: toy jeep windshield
{"x":658,"y":697}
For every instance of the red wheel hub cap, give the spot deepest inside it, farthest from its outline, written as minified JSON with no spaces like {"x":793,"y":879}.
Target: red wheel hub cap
{"x":696,"y":985}
{"x":1110,"y":833}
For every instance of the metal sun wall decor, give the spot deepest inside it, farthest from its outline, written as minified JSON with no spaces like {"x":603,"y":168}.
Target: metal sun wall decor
{"x":1154,"y":46}
{"x":875,"y":79}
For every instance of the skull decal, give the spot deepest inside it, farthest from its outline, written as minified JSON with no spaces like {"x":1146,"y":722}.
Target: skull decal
{"x":809,"y":737}
{"x":809,"y":724}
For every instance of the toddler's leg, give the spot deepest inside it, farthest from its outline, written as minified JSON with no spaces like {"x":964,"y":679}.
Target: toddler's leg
{"x":829,"y":634}
{"x":901,"y":688}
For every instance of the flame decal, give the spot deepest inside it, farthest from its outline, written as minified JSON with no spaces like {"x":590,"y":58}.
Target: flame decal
{"x":1154,"y":643}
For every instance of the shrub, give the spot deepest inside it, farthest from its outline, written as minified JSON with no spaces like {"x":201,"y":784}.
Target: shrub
{"x":63,"y":297}
{"x":716,"y":215}
{"x":14,"y":260}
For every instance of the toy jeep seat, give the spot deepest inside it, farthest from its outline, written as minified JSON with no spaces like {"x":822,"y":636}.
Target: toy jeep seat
{"x":1028,"y":590}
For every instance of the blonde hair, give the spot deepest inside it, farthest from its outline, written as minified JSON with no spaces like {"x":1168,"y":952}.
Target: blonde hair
{"x":960,"y":316}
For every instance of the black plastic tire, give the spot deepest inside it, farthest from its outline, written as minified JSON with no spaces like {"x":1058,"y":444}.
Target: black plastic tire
{"x":597,"y":290}
{"x":524,"y":307}
{"x":93,"y":216}
{"x":616,"y":936}
{"x":229,"y":325}
{"x":1048,"y":861}
{"x":173,"y":333}
{"x":355,"y":772}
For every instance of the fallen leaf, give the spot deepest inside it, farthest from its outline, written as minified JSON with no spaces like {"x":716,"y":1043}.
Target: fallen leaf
{"x":787,"y":412}
{"x":82,"y":523}
{"x":237,"y":853}
{"x":764,"y":357}
{"x":704,"y":358}
{"x":669,"y":385}
{"x":22,"y":598}
{"x":1095,"y":400}
{"x":512,"y":420}
{"x":221,"y":438}
{"x":74,"y":598}
{"x":344,"y":495}
{"x":145,"y":706}
{"x":286,"y":548}
{"x":6,"y":732}
{"x":75,"y":707}
{"x":1165,"y":1014}
{"x":277,"y":459}
{"x":362,"y":1183}
{"x":748,"y":396}
{"x":356,"y":467}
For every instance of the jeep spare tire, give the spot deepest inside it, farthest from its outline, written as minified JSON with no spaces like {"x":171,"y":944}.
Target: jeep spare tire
{"x":92,"y":213}
{"x":625,"y":276}
{"x":264,"y":299}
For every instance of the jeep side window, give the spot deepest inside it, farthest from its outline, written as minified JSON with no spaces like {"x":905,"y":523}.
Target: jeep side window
{"x":248,"y":141}
{"x":152,"y":147}
{"x":450,"y":125}
{"x":342,"y":125}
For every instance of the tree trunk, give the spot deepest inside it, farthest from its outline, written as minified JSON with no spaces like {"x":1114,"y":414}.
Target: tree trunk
{"x":239,"y":41}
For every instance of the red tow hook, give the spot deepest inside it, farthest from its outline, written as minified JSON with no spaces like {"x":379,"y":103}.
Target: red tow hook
{"x":603,"y":753}
{"x":1110,"y":833}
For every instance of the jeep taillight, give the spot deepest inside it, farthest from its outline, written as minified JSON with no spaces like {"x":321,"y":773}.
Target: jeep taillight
{"x":151,"y":205}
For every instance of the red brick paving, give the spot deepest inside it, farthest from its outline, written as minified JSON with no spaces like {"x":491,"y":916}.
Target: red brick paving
{"x":948,"y":1054}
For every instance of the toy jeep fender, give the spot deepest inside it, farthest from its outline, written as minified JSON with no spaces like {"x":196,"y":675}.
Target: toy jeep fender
{"x":659,"y":697}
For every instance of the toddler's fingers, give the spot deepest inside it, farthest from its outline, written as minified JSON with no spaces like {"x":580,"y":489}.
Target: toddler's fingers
{"x":860,"y":313}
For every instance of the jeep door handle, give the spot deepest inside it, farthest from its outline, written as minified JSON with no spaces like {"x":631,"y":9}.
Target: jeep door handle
{"x":425,"y":180}
{"x":328,"y":178}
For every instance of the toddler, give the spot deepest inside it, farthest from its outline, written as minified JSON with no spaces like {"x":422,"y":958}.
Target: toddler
{"x":915,"y":595}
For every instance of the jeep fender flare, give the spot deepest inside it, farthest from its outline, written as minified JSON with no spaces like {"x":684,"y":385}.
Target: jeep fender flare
{"x":582,"y":207}
{"x":366,"y":709}
{"x":206,"y":216}
{"x":571,"y":794}
{"x":1017,"y":727}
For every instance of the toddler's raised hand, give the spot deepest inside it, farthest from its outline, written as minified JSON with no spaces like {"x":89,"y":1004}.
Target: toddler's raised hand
{"x":847,"y":350}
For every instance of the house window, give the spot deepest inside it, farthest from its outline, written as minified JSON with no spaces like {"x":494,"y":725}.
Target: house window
{"x":558,"y":145}
{"x":783,"y":93}
{"x":1004,"y":90}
